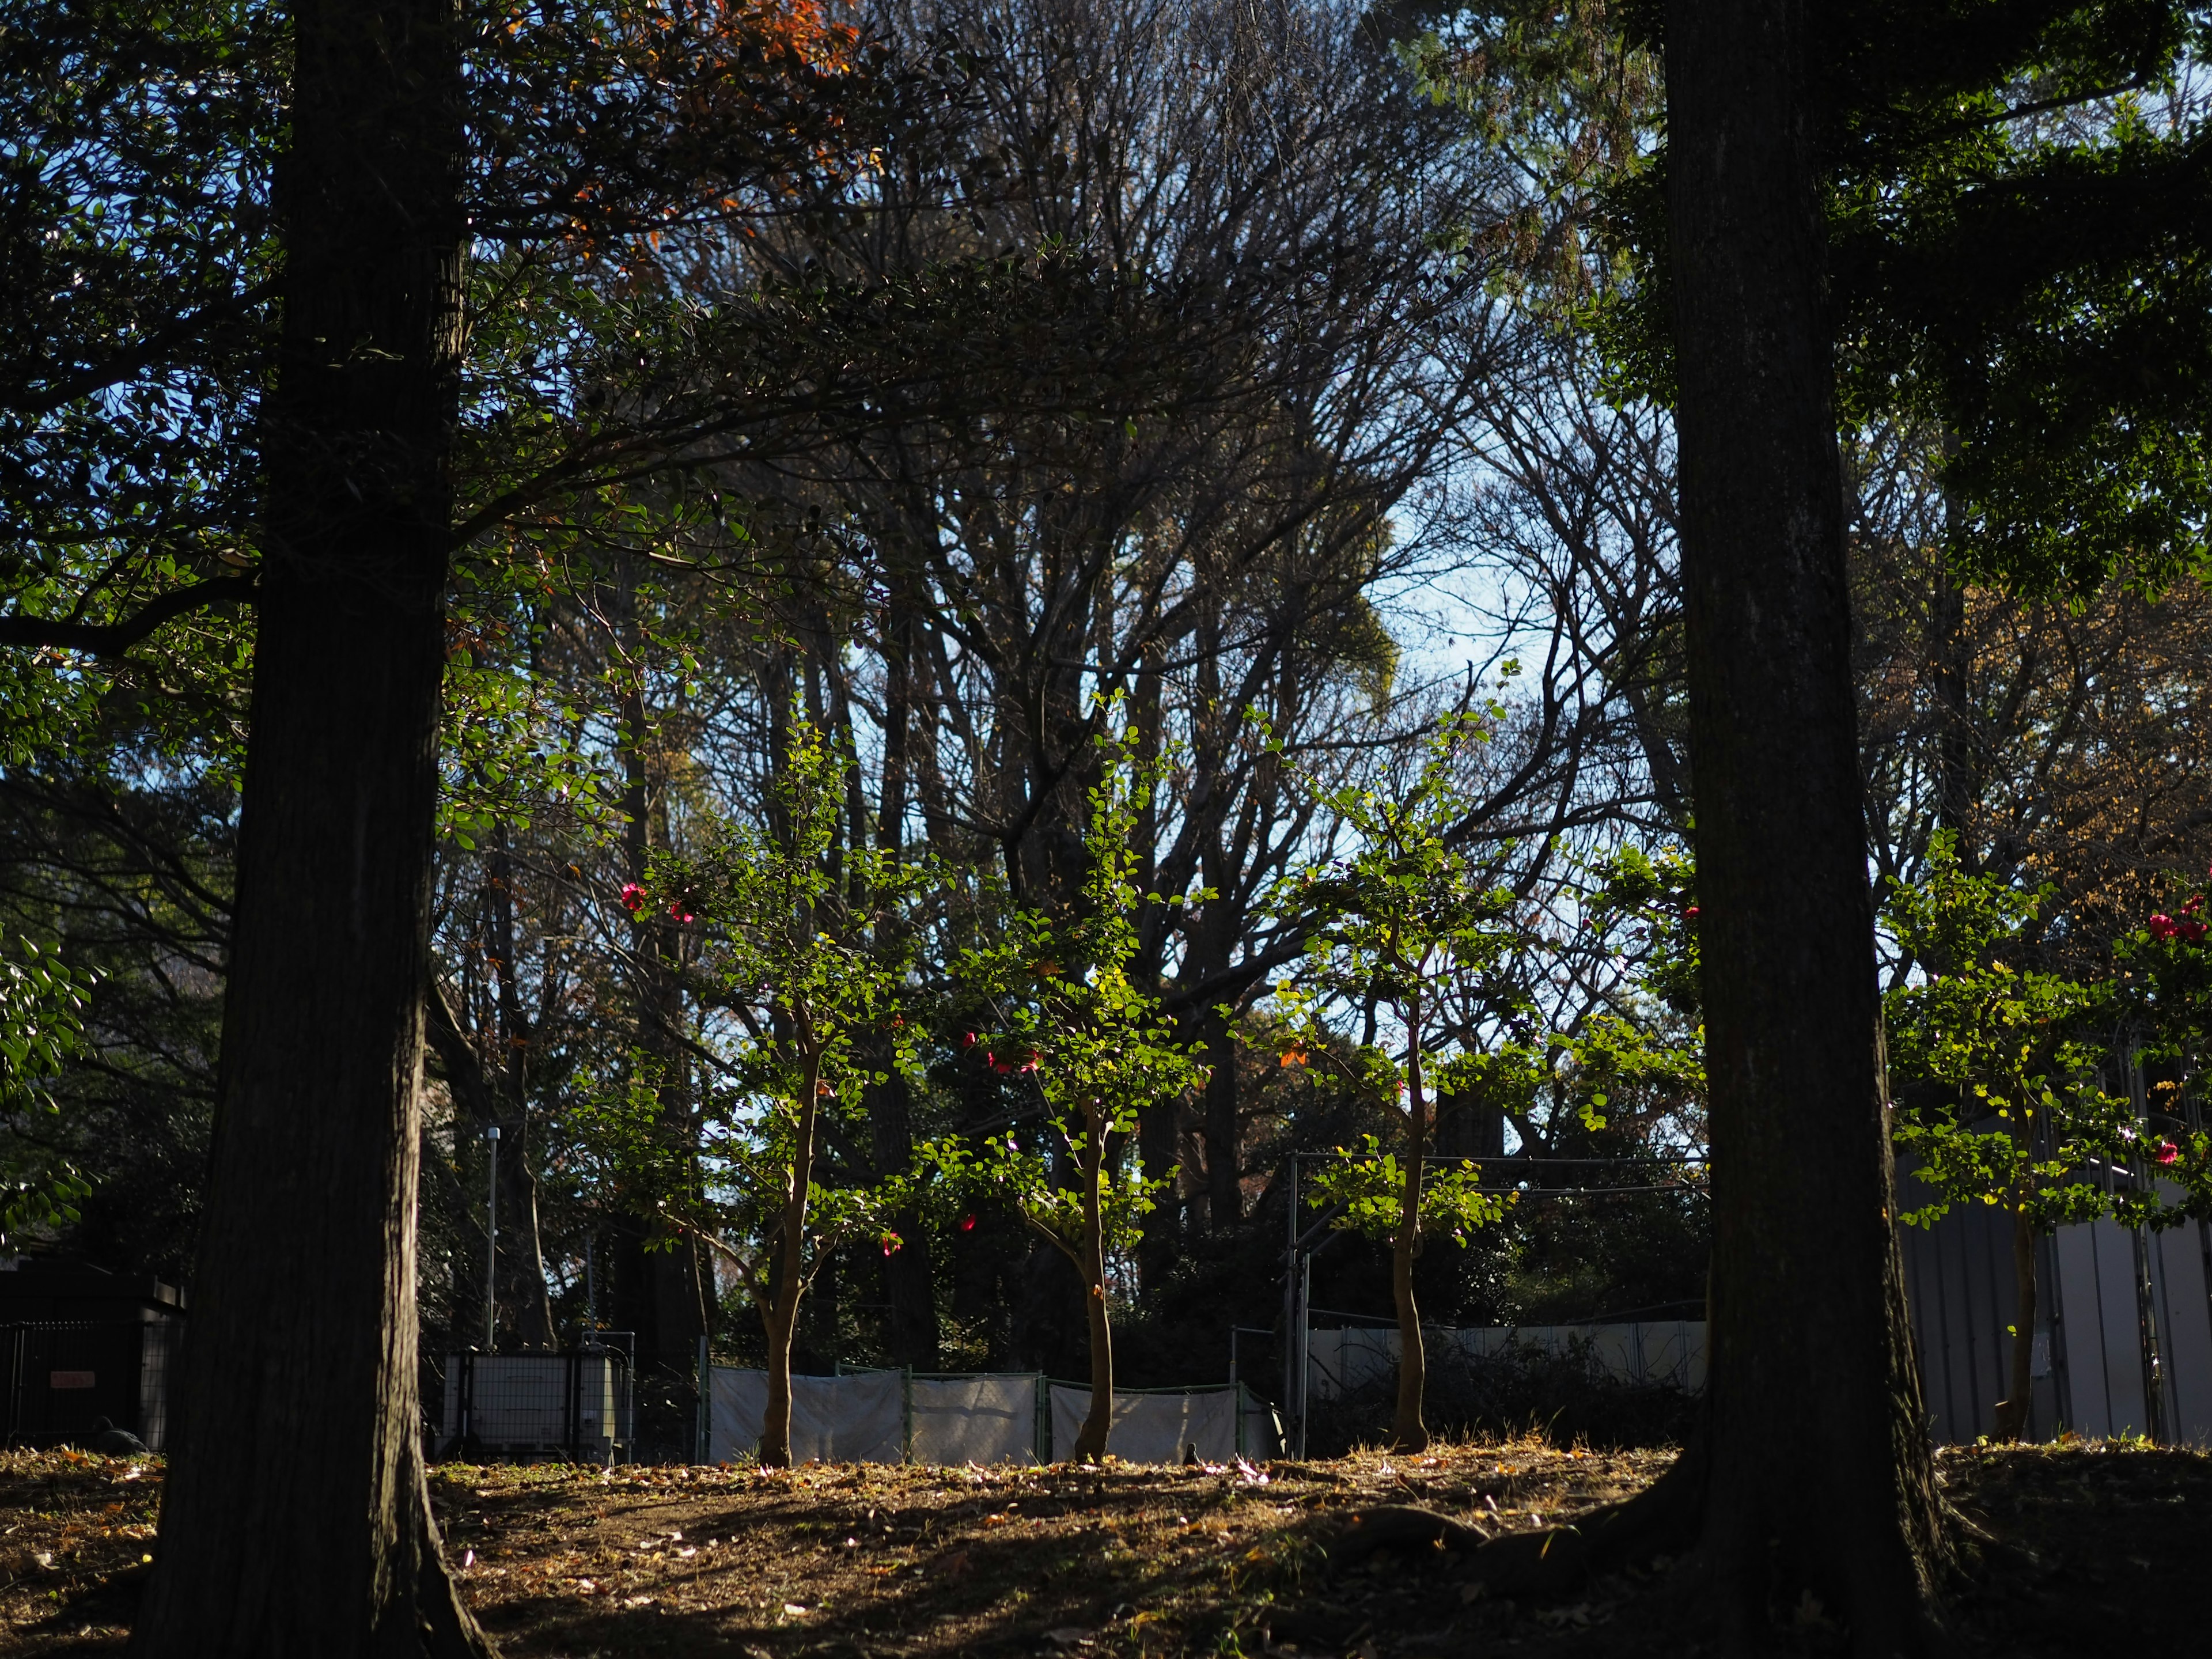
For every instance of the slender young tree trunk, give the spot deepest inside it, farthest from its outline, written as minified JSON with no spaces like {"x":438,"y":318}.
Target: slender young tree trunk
{"x":1408,"y":1432}
{"x":2011,"y":1419}
{"x":297,"y":1516}
{"x":1819,"y":1487}
{"x":524,"y":1260}
{"x":782,"y":1319}
{"x":1098,"y":1422}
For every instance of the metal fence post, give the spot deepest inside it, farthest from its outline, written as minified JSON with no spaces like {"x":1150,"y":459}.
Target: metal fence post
{"x":704,"y":1438}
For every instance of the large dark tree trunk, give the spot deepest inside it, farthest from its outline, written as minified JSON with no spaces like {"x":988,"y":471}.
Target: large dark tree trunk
{"x":1225,"y":1175}
{"x":1819,"y":1487}
{"x":910,"y":1335}
{"x":296,"y":1518}
{"x":661,"y":1285}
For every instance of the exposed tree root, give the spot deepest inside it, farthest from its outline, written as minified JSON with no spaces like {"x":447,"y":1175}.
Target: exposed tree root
{"x":1397,"y":1526}
{"x":447,"y":1629}
{"x":1663,"y":1518}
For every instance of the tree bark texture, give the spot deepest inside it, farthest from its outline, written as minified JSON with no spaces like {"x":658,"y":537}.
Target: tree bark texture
{"x":522,"y":1262}
{"x":1819,"y":1487}
{"x":909,"y":1282}
{"x":2010,"y":1419}
{"x":783,"y":1317}
{"x":662,"y":1287}
{"x":1224,"y":1174}
{"x":1098,"y":1420}
{"x":296,"y":1518}
{"x":1409,"y":1433}
{"x":522,"y":1290}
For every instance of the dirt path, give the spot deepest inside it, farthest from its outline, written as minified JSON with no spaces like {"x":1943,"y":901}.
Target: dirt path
{"x":2090,"y":1548}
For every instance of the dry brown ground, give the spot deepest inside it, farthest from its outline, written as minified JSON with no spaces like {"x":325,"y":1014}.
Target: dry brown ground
{"x":2089,"y":1550}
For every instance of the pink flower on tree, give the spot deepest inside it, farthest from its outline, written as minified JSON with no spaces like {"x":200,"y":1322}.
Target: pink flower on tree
{"x":677,"y":911}
{"x":2167,"y":1151}
{"x":966,"y":1224}
{"x":633,"y":898}
{"x":2161,"y":926}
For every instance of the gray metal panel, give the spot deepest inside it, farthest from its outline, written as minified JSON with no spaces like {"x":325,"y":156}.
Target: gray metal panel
{"x":2082,"y":1336}
{"x":1960,"y":1292}
{"x":2104,"y":1333}
{"x":2184,"y":1331}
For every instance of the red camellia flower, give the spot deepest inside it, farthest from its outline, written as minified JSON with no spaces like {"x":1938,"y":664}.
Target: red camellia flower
{"x":2167,"y":1151}
{"x":966,"y":1224}
{"x":1031,"y":1064}
{"x":2161,"y":926}
{"x":1690,"y":914}
{"x":967,"y":1039}
{"x":677,"y":911}
{"x":2192,"y":930}
{"x":633,"y":898}
{"x":2193,"y":906}
{"x":892,"y":1242}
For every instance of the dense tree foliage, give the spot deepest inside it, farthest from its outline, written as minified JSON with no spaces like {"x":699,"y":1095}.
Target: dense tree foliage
{"x":860,"y":412}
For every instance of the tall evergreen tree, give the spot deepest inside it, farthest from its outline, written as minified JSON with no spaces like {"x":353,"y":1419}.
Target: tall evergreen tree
{"x":320,"y":1538}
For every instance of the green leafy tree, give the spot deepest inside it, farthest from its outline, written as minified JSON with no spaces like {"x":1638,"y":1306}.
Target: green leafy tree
{"x":1994,"y":1067}
{"x":2164,"y":988}
{"x":1408,"y":912}
{"x":42,"y":1005}
{"x":1069,"y":1020}
{"x":805,"y":953}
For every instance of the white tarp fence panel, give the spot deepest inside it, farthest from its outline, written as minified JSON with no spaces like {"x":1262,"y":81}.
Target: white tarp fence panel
{"x":1669,"y":1351}
{"x":973,"y":1419}
{"x":884,"y":1417}
{"x":1153,"y":1428}
{"x":858,"y":1417}
{"x":736,"y":1408}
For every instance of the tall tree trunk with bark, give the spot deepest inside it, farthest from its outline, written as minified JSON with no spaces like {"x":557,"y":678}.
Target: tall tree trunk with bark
{"x":478,"y":1104}
{"x":1098,"y":1420}
{"x":1408,"y":1432}
{"x":1225,"y":1175}
{"x":296,"y":1518}
{"x":522,"y":1260}
{"x":2010,"y":1421}
{"x":780,"y":1316}
{"x":909,"y":1281}
{"x":1819,"y":1487}
{"x":661,"y":1285}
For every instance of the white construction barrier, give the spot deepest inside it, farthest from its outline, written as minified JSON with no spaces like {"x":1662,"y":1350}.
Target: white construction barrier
{"x":1153,"y":1427}
{"x":858,"y":1418}
{"x":889,"y":1417}
{"x":972,"y":1419}
{"x":1649,"y":1353}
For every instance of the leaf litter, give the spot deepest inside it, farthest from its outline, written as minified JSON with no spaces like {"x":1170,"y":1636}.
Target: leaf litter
{"x":2078,"y":1544}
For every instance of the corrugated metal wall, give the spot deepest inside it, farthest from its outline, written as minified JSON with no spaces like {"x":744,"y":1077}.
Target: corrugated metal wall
{"x":2122,"y":1333}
